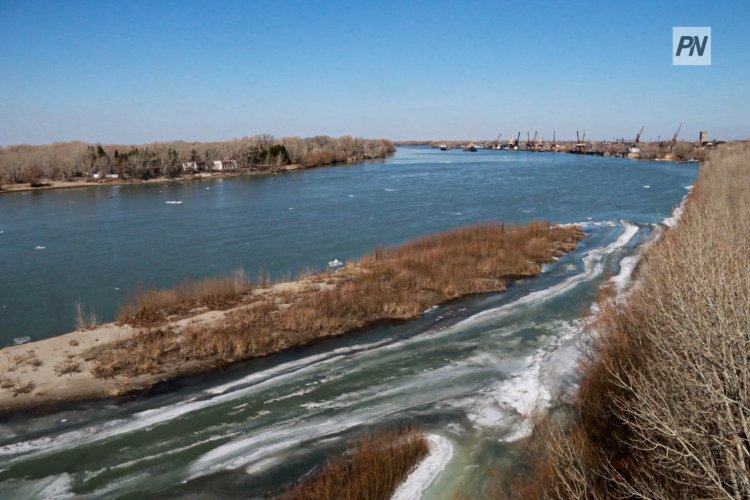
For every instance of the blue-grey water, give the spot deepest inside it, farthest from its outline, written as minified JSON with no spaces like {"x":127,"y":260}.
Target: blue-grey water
{"x":468,"y":372}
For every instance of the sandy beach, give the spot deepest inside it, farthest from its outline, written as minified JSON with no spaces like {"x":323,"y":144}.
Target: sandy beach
{"x":31,"y":374}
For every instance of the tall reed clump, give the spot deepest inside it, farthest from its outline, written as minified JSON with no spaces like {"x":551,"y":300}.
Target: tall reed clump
{"x":388,"y":284}
{"x":148,"y":307}
{"x":84,"y":320}
{"x":664,"y":404}
{"x":372,"y":471}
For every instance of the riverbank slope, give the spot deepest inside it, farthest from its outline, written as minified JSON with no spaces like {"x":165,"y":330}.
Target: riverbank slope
{"x":664,"y":404}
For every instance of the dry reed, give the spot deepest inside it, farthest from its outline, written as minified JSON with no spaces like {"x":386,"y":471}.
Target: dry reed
{"x":148,"y":307}
{"x":372,"y":471}
{"x":388,"y":284}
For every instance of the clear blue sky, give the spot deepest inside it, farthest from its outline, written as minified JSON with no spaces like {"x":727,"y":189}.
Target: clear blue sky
{"x":141,"y":71}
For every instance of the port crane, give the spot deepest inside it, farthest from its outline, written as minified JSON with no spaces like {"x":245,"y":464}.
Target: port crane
{"x":634,"y":149}
{"x":674,"y":137}
{"x":518,"y":138}
{"x":554,"y":140}
{"x":580,"y":144}
{"x":496,"y":145}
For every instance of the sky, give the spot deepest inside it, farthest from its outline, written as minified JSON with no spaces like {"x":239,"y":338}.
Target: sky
{"x":144,"y":71}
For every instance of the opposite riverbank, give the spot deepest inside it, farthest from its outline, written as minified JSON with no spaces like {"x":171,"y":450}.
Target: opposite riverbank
{"x":77,"y":164}
{"x":663,"y":409}
{"x":49,"y":184}
{"x":164,"y":334}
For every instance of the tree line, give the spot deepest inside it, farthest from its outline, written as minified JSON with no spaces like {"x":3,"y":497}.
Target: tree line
{"x":70,"y":160}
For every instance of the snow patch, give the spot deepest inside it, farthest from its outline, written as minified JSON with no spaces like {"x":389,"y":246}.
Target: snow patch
{"x":441,"y":452}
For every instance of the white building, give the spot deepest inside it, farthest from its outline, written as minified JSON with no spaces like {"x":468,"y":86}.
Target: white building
{"x":224,"y":165}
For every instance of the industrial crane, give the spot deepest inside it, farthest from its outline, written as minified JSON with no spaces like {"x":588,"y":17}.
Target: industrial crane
{"x":674,"y":137}
{"x":634,"y":149}
{"x":554,"y":140}
{"x":581,"y":144}
{"x":497,"y":142}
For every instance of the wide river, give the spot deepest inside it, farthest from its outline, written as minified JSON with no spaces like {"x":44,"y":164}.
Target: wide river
{"x":468,"y":372}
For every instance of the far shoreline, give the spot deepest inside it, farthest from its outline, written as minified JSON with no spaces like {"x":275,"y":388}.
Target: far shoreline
{"x":53,"y":185}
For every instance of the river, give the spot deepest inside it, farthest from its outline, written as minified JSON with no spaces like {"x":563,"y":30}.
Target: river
{"x":467,"y":373}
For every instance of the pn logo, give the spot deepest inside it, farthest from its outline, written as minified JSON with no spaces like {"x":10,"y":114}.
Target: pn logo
{"x":691,"y":46}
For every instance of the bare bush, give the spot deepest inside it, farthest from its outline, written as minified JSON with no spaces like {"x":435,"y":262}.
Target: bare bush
{"x":26,"y":358}
{"x":67,"y":366}
{"x":22,"y":387}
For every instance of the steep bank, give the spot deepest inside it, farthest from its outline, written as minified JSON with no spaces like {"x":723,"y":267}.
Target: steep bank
{"x":664,"y":404}
{"x":166,"y":334}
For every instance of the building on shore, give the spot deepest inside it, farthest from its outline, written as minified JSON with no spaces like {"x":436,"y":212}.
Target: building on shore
{"x":226,"y":164}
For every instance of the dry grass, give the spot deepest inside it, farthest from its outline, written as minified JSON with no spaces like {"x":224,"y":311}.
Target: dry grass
{"x":26,"y":358}
{"x":67,"y":366}
{"x":22,"y":387}
{"x":372,"y":471}
{"x":6,"y":382}
{"x":664,"y":405}
{"x":149,"y":307}
{"x":388,"y":284}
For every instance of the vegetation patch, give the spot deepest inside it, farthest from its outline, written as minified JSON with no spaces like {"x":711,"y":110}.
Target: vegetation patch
{"x":261,"y":153}
{"x":371,"y":471}
{"x":664,"y":404}
{"x":388,"y":284}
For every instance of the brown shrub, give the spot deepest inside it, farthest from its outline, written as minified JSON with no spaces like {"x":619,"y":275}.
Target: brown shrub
{"x":67,"y":367}
{"x":373,"y":470}
{"x":22,"y":387}
{"x":26,"y":358}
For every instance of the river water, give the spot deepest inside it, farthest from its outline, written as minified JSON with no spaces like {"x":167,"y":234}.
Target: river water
{"x":468,"y":372}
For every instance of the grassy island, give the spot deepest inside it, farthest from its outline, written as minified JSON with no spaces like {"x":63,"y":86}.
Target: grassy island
{"x":163,"y":334}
